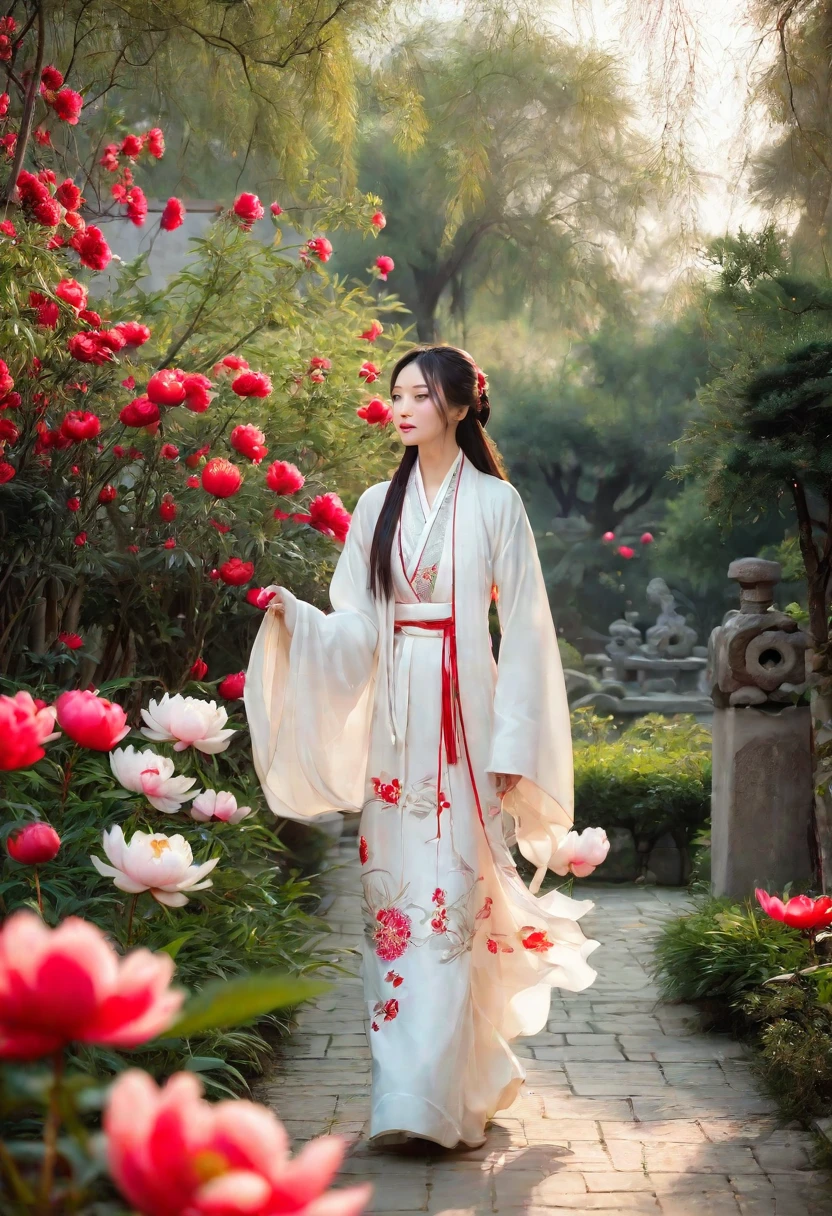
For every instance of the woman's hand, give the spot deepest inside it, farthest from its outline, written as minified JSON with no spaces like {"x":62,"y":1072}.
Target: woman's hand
{"x":506,"y":782}
{"x":276,"y":604}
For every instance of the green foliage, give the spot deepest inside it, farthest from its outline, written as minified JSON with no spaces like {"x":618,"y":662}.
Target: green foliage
{"x":652,"y":778}
{"x":722,"y":950}
{"x":795,"y":1046}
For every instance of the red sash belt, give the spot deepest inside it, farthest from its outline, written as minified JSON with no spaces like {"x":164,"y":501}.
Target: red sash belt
{"x":452,"y":723}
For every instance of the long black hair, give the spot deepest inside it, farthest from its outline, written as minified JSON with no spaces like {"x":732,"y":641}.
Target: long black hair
{"x":453,"y":379}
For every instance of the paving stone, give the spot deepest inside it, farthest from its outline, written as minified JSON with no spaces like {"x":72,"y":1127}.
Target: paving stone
{"x":628,"y":1108}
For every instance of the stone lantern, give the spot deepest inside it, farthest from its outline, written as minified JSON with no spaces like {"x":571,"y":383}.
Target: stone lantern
{"x":761,"y":803}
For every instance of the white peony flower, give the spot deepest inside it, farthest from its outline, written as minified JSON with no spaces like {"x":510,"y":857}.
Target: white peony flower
{"x":187,"y":722}
{"x":152,"y":775}
{"x":218,"y":804}
{"x":580,"y":853}
{"x":162,"y":865}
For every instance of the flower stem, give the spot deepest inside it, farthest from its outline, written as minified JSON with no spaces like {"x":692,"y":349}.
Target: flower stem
{"x":50,"y":1132}
{"x":131,"y":908}
{"x":37,"y":890}
{"x":18,"y":1186}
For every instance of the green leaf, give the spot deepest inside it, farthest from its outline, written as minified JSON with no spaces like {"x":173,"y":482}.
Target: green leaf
{"x":233,"y":1002}
{"x":173,"y":948}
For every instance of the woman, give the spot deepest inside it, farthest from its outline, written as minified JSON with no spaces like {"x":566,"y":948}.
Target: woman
{"x":392,"y":705}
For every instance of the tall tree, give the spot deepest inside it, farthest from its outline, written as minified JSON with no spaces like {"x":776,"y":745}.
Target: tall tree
{"x":503,"y":152}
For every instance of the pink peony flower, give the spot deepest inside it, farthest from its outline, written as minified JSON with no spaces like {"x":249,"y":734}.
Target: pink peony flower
{"x":646,"y":538}
{"x":259,"y":597}
{"x":154,"y":141}
{"x":34,"y":845}
{"x":384,"y":265}
{"x":580,"y":853}
{"x":218,"y":804}
{"x":320,"y":247}
{"x":68,"y":104}
{"x":231,"y":687}
{"x":284,"y":478}
{"x":65,"y":985}
{"x":800,"y":912}
{"x":391,"y":933}
{"x":170,"y":1152}
{"x":375,"y":412}
{"x":91,"y":720}
{"x":379,"y":220}
{"x":25,"y":725}
{"x":626,"y":552}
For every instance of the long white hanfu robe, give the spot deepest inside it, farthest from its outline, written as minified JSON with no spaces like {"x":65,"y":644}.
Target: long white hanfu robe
{"x":398,"y":711}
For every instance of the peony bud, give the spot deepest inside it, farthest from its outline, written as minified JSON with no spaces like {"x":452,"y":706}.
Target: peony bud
{"x":646,"y":538}
{"x":34,"y":845}
{"x":199,"y":670}
{"x":91,"y":720}
{"x":231,"y":688}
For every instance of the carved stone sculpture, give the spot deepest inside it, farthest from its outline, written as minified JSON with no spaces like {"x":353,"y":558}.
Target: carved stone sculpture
{"x":757,"y":654}
{"x":671,"y":637}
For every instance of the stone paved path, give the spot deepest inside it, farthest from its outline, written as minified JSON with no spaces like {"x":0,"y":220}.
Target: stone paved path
{"x":627,"y":1108}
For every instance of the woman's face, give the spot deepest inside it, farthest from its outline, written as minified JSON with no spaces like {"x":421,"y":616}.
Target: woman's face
{"x":415,"y":416}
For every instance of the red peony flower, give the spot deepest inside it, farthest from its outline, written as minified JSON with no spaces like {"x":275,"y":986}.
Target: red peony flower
{"x":68,"y":985}
{"x":25,"y":725}
{"x":231,"y":363}
{"x":220,"y":527}
{"x":73,"y":220}
{"x":67,"y":104}
{"x":608,"y":538}
{"x":134,"y":333}
{"x":109,"y":161}
{"x":131,"y":146}
{"x":91,"y":247}
{"x":170,"y":543}
{"x":236,"y":573}
{"x":221,"y":478}
{"x":199,"y":670}
{"x":9,"y":432}
{"x":72,"y":641}
{"x":249,"y":209}
{"x":72,"y":293}
{"x":363,"y":850}
{"x":626,"y":552}
{"x":384,"y":265}
{"x":136,"y":206}
{"x":391,"y":933}
{"x":368,"y":372}
{"x":90,"y":348}
{"x":91,"y":720}
{"x":47,"y":212}
{"x":375,"y":412}
{"x":173,"y":216}
{"x":646,"y":538}
{"x":8,"y":229}
{"x":328,"y":515}
{"x":259,"y":597}
{"x":276,"y":209}
{"x":167,"y":508}
{"x":68,"y":195}
{"x":154,"y":141}
{"x":197,"y":392}
{"x":7,"y":472}
{"x":34,"y":845}
{"x":80,"y":540}
{"x":73,"y":504}
{"x":48,"y":313}
{"x":4,"y":104}
{"x":79,"y":425}
{"x":231,"y":688}
{"x":252,"y":384}
{"x":193,"y":483}
{"x":250,"y":442}
{"x":169,"y":451}
{"x":6,"y":381}
{"x":321,"y":248}
{"x":30,"y":188}
{"x":800,"y":912}
{"x":107,"y":494}
{"x":379,"y":220}
{"x":375,"y":330}
{"x":51,"y":79}
{"x":318,"y":362}
{"x":166,"y":387}
{"x":141,"y":411}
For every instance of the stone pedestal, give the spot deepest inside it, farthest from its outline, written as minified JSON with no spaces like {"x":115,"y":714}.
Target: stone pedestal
{"x":762,"y":799}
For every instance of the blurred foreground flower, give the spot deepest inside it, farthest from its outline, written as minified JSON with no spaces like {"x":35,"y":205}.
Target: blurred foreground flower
{"x":152,"y":775}
{"x":579,"y":853}
{"x":800,"y":912}
{"x":160,"y":864}
{"x":65,"y":985}
{"x":187,"y":722}
{"x":170,"y":1152}
{"x":25,"y":725}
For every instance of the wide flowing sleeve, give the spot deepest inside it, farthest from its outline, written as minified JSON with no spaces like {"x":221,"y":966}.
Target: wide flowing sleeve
{"x":309,"y":689}
{"x":531,"y":732}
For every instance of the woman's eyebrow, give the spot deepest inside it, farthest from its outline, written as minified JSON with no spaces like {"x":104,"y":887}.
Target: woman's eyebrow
{"x":412,"y":386}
